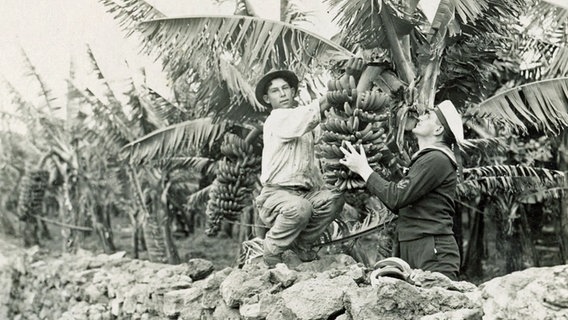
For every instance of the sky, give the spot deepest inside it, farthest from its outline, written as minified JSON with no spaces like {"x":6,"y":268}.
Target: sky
{"x":51,"y":32}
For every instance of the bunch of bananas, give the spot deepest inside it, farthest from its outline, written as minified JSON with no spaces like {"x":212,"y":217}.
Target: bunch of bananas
{"x":234,"y":147}
{"x":231,"y":190}
{"x":360,"y":118}
{"x":32,"y":190}
{"x":341,"y":90}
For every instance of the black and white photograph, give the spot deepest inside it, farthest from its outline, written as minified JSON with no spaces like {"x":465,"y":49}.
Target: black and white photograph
{"x":283,"y":159}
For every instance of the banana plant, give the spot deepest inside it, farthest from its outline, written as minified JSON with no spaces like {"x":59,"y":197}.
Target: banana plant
{"x":457,"y":51}
{"x":58,"y":143}
{"x":234,"y":58}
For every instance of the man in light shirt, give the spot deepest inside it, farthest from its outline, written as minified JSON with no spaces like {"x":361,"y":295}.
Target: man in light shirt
{"x":291,"y":203}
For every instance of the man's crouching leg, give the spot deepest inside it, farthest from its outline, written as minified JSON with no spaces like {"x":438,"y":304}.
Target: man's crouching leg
{"x":291,"y":217}
{"x":327,"y":205}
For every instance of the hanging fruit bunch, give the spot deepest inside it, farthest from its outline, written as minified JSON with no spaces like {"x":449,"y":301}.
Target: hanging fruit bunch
{"x":361,"y":113}
{"x":231,"y":191}
{"x":32,"y":191}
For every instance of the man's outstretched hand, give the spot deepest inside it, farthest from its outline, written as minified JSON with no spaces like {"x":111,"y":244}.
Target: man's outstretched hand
{"x":356,"y":162}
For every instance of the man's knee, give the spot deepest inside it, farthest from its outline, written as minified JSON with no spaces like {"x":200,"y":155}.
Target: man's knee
{"x":300,"y":210}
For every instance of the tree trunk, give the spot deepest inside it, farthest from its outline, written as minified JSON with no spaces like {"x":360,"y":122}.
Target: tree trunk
{"x":154,"y":240}
{"x":458,"y":229}
{"x":509,"y":240}
{"x":472,"y":261}
{"x":67,"y":216}
{"x":135,"y":237}
{"x":528,"y":238}
{"x":102,"y":228}
{"x":428,"y":83}
{"x":152,"y":228}
{"x":171,"y":250}
{"x":161,"y":246}
{"x":403,"y":66}
{"x":247,"y":220}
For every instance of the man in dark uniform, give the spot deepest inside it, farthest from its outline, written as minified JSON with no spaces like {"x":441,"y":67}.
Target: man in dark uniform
{"x":424,"y":198}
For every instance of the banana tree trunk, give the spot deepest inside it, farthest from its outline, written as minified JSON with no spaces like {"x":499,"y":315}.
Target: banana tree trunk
{"x":67,"y":215}
{"x":158,"y":236}
{"x":148,"y":222}
{"x":509,"y":236}
{"x":166,"y":217}
{"x":154,"y":240}
{"x":247,"y":220}
{"x":101,"y":223}
{"x":403,"y":65}
{"x":157,"y":231}
{"x":473,"y":257}
{"x":427,"y":91}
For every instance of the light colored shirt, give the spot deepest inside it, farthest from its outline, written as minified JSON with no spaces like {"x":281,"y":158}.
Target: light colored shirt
{"x":288,"y":155}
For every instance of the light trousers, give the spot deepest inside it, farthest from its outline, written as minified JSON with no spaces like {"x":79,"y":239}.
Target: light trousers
{"x":296,"y":215}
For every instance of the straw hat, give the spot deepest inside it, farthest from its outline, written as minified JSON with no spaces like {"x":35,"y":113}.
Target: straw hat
{"x":264,"y":82}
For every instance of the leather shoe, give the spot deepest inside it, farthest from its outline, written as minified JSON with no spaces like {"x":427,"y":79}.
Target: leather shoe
{"x":306,"y":255}
{"x":271,"y":260}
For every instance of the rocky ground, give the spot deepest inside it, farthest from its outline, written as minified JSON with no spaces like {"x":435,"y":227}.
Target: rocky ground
{"x":36,"y":284}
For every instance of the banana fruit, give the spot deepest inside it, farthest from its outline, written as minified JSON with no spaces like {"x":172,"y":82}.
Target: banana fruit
{"x":231,"y":190}
{"x":374,"y":101}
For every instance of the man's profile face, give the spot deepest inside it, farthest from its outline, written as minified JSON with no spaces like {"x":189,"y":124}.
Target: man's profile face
{"x":280,"y":95}
{"x":428,"y":125}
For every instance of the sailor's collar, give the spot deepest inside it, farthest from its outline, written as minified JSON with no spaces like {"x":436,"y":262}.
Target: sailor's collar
{"x":440,"y":147}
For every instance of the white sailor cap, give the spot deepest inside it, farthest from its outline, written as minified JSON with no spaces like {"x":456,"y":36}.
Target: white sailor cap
{"x":450,"y":119}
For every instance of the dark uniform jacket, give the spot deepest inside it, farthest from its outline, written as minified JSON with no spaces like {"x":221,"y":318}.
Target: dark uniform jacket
{"x":424,"y":198}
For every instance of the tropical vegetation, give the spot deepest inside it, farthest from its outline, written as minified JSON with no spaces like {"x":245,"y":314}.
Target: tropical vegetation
{"x":194,"y":160}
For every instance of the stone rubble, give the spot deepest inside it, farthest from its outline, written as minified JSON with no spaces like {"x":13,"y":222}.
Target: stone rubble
{"x":34,"y":285}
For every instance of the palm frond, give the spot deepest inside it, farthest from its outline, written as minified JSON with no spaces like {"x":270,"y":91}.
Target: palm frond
{"x":257,"y":44}
{"x":237,"y":84}
{"x":116,"y":128}
{"x":540,"y":104}
{"x":32,"y":115}
{"x":244,"y":8}
{"x":199,"y":197}
{"x":360,"y":23}
{"x":492,"y":145}
{"x":545,"y":33}
{"x":144,"y":109}
{"x":25,"y":108}
{"x":378,"y":217}
{"x":508,"y":179}
{"x":549,"y":18}
{"x":167,"y":109}
{"x":45,"y":92}
{"x":108,"y":92}
{"x":194,"y":163}
{"x":187,"y":137}
{"x":294,"y":15}
{"x":543,"y":175}
{"x":558,"y":66}
{"x":470,"y":10}
{"x":223,"y":105}
{"x":129,"y":13}
{"x":544,"y":194}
